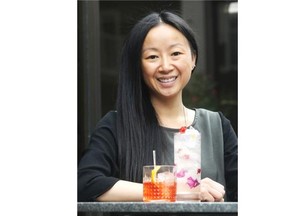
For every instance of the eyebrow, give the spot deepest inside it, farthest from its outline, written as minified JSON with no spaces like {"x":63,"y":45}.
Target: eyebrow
{"x":171,"y":46}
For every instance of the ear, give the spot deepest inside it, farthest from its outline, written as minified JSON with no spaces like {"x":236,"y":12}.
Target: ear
{"x":193,"y":67}
{"x":193,"y":62}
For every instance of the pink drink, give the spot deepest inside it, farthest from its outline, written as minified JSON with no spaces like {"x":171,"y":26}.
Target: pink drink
{"x":187,"y":158}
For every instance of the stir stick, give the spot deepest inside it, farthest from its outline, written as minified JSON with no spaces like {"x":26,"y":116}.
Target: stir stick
{"x":154,"y":158}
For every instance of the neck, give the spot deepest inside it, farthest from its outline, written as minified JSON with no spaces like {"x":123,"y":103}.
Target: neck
{"x":171,"y":113}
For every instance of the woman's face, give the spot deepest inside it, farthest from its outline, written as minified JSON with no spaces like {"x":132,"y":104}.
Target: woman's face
{"x":167,"y":61}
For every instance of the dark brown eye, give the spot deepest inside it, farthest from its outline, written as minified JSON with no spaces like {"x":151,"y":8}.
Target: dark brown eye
{"x":176,"y":53}
{"x":152,"y":57}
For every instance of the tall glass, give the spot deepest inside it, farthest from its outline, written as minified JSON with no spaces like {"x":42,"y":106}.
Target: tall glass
{"x":187,"y":158}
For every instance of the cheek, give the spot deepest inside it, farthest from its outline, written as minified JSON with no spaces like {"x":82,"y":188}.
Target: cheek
{"x":147,"y":71}
{"x":186,"y":67}
{"x":186,"y":71}
{"x":187,"y":75}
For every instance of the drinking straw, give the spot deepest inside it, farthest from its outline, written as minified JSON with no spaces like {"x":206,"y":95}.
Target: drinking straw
{"x":154,"y":158}
{"x":156,"y":168}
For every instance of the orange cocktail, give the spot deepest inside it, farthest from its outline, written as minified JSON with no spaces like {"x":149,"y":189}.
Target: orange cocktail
{"x":159,"y":191}
{"x":159,"y":185}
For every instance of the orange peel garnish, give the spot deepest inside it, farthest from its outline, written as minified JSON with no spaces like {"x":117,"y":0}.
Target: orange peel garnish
{"x":154,"y":173}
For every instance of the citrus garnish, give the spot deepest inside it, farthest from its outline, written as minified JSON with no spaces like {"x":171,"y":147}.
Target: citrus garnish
{"x":154,"y":173}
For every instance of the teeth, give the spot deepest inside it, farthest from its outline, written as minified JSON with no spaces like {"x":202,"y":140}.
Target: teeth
{"x":166,"y":80}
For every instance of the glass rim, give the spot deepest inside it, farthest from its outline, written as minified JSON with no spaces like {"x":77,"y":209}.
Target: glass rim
{"x":150,"y":166}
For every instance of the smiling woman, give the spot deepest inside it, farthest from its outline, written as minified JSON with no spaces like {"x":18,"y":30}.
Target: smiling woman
{"x":167,"y":61}
{"x":102,"y":26}
{"x":157,"y":60}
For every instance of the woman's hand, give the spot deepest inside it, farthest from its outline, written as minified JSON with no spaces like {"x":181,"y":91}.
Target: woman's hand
{"x":211,"y":191}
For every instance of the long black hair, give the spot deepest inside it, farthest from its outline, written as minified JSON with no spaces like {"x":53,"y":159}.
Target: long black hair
{"x":138,"y":129}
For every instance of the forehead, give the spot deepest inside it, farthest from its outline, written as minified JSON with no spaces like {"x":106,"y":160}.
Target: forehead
{"x":164,"y":33}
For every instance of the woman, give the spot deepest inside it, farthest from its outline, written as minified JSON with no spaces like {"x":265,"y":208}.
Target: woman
{"x":158,"y":59}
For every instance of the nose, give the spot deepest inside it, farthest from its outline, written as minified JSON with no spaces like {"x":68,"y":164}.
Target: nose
{"x":165,"y":65}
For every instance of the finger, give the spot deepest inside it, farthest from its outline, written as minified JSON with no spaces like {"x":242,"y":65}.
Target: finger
{"x":205,"y":195}
{"x":207,"y":198}
{"x":220,"y":200}
{"x":211,"y":183}
{"x":217,"y":193}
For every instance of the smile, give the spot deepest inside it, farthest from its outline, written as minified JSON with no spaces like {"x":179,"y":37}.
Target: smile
{"x":167,"y":80}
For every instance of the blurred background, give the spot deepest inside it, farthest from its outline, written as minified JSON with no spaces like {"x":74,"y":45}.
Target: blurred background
{"x":102,"y":27}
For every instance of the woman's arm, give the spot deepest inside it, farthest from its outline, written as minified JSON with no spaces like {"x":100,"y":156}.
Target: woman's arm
{"x":98,"y":169}
{"x":123,"y":191}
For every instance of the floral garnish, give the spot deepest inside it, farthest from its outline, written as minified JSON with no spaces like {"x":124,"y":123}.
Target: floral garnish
{"x":181,"y":173}
{"x":192,"y":182}
{"x":182,"y":129}
{"x":198,"y":170}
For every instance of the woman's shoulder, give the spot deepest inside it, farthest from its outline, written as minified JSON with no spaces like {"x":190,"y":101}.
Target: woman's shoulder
{"x":214,"y":117}
{"x":204,"y":111}
{"x":110,"y":115}
{"x":108,"y":120}
{"x":201,"y":113}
